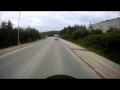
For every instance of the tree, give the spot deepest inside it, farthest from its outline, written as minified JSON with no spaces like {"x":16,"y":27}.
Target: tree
{"x":80,"y":33}
{"x":90,"y":27}
{"x":8,"y":35}
{"x":4,"y":25}
{"x":9,"y":25}
{"x":95,"y":32}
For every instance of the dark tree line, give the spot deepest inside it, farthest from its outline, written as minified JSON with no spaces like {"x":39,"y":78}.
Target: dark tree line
{"x":50,"y":33}
{"x":9,"y":35}
{"x":107,"y":43}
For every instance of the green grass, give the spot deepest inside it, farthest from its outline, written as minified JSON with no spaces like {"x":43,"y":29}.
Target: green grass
{"x":112,"y":55}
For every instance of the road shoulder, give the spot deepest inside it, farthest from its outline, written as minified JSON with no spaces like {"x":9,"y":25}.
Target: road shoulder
{"x":13,"y":48}
{"x":101,"y":65}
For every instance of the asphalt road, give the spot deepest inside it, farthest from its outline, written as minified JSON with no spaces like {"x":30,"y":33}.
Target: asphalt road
{"x":43,"y":59}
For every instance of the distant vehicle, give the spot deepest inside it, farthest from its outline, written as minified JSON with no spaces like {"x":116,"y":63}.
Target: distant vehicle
{"x":56,"y":36}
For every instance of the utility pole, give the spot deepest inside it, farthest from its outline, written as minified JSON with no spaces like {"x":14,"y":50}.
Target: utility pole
{"x":0,"y":20}
{"x":41,"y":32}
{"x":46,"y":34}
{"x":119,"y":13}
{"x":18,"y":28}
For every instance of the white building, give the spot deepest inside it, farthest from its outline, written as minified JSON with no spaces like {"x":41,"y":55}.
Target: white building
{"x":55,"y":35}
{"x":105,"y":25}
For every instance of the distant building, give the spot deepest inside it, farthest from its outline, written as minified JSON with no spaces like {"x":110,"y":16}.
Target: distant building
{"x":105,"y":25}
{"x":55,"y":35}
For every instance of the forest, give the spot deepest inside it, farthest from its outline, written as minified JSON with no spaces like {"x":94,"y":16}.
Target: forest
{"x":106,"y":44}
{"x":9,"y":35}
{"x":50,"y":33}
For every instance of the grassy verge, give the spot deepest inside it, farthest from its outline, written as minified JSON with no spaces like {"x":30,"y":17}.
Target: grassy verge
{"x":112,"y":55}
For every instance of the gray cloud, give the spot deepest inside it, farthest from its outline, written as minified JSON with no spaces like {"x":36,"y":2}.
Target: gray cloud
{"x":56,"y":20}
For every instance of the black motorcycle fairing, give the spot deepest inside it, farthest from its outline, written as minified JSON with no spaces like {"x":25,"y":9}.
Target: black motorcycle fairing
{"x":60,"y":77}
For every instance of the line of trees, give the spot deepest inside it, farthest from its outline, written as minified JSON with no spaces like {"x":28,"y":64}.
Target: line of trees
{"x":50,"y":33}
{"x":9,"y":35}
{"x":107,"y":43}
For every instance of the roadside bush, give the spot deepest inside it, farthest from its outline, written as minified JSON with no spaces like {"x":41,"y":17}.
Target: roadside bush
{"x":95,"y":32}
{"x":112,"y":39}
{"x":80,"y":33}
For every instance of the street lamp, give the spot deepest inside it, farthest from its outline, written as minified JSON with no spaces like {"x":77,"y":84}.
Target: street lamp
{"x":46,"y":33}
{"x":41,"y":32}
{"x":119,"y":14}
{"x":18,"y":28}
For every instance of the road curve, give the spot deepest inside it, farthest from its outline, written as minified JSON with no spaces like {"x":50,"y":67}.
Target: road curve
{"x":44,"y":59}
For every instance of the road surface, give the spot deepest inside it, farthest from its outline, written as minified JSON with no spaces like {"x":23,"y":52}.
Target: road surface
{"x":43,"y":59}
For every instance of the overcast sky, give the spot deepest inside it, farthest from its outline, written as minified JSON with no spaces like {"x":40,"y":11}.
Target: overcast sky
{"x":56,"y":20}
